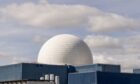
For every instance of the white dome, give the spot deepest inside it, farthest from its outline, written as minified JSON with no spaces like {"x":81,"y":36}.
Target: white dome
{"x":65,"y":49}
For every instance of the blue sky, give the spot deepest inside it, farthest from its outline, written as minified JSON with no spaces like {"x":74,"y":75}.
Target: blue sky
{"x":110,"y":28}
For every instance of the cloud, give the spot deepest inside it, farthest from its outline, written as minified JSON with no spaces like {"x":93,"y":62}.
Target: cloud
{"x":120,"y":50}
{"x":43,"y":1}
{"x":127,"y":62}
{"x":106,"y":49}
{"x":14,"y":53}
{"x":48,"y":15}
{"x":6,"y":59}
{"x":112,"y":22}
{"x":99,"y":41}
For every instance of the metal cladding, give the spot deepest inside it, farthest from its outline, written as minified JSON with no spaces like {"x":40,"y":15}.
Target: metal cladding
{"x":103,"y":78}
{"x":65,"y":49}
{"x":117,"y":78}
{"x":66,"y":74}
{"x":82,"y":78}
{"x":30,"y":71}
{"x":98,"y":67}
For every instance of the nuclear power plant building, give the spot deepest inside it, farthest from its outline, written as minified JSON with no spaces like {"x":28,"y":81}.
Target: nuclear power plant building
{"x":66,"y":59}
{"x":31,"y":73}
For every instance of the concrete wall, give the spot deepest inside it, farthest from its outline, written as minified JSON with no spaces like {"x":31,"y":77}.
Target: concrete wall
{"x":39,"y":82}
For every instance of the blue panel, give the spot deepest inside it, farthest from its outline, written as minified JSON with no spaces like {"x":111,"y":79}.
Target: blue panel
{"x":117,"y":78}
{"x":98,"y":67}
{"x":110,"y":68}
{"x":35,"y":71}
{"x":82,"y":78}
{"x":103,"y":78}
{"x":29,"y":71}
{"x":11,"y":72}
{"x":88,"y":68}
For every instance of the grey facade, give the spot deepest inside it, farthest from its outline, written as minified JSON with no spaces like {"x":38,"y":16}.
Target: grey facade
{"x":27,"y":82}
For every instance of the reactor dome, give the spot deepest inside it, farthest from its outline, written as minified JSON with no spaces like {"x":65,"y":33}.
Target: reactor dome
{"x":65,"y":49}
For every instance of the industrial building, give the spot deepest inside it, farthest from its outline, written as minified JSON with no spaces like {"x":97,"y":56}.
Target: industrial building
{"x":66,"y":60}
{"x":31,"y":73}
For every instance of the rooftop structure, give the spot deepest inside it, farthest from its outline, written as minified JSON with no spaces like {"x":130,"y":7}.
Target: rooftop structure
{"x":55,"y":54}
{"x":65,"y":49}
{"x":98,"y":67}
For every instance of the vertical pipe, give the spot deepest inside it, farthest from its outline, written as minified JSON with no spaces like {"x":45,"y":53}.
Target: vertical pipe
{"x":57,"y":80}
{"x":47,"y":77}
{"x":51,"y":77}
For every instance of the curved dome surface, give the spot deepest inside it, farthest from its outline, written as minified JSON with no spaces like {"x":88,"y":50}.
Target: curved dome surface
{"x":65,"y":49}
